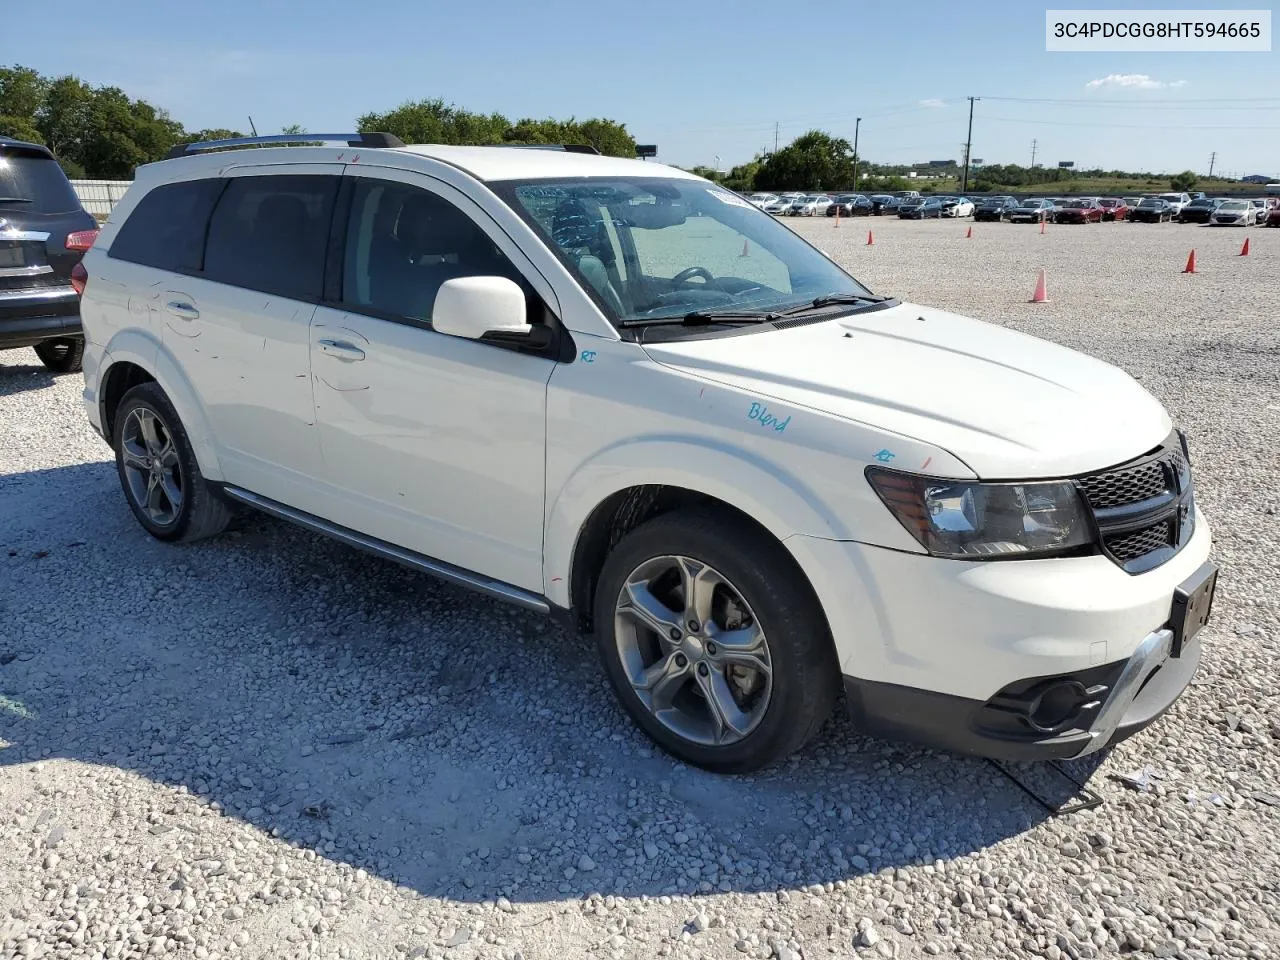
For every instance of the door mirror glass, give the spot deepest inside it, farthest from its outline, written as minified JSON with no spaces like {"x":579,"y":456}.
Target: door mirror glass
{"x":472,"y":307}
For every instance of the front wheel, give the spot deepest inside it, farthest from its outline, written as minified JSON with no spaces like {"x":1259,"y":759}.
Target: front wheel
{"x":714,"y":642}
{"x":63,"y":355}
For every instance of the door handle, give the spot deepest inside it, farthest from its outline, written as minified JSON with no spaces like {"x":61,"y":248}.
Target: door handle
{"x":183,"y":309}
{"x":347,"y":352}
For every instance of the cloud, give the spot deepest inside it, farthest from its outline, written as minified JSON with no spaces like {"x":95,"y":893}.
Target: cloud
{"x":1133,"y":81}
{"x":933,"y":102}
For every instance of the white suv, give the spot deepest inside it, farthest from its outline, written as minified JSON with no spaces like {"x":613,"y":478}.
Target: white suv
{"x":614,"y":391}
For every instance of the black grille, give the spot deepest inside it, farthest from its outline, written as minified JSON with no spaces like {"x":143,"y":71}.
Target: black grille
{"x":1116,"y":488}
{"x":1144,"y":508}
{"x":1139,"y":543}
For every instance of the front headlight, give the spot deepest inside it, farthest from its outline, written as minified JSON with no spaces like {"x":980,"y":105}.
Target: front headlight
{"x":967,"y":520}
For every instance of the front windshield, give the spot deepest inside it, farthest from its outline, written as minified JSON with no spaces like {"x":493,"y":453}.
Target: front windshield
{"x":1078,"y":205}
{"x":650,"y":248}
{"x":1151,"y":203}
{"x":1234,"y":205}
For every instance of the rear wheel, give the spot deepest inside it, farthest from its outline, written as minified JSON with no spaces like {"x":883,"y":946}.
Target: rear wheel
{"x":158,"y":470}
{"x":714,"y":641}
{"x":63,"y":355}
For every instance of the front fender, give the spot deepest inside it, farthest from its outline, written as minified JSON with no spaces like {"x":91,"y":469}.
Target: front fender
{"x":140,"y":348}
{"x":780,"y":501}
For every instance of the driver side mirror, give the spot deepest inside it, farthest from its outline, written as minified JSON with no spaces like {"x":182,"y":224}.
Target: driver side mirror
{"x":475,"y":307}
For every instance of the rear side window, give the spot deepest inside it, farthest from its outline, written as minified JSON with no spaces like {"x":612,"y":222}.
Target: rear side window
{"x":271,"y":233}
{"x":166,"y":229}
{"x":33,"y":182}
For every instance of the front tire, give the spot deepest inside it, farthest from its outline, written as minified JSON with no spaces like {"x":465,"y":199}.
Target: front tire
{"x":63,"y":355}
{"x":158,"y":471}
{"x":714,"y":641}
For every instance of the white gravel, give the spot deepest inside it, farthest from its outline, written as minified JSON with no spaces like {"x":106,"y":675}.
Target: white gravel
{"x":268,"y":745}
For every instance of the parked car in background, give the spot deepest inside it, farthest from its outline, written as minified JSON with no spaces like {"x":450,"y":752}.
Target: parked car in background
{"x":1113,"y":208}
{"x":989,"y":542}
{"x":1151,"y":210}
{"x":1132,"y":202}
{"x":1176,"y":201}
{"x":1035,"y":210}
{"x":920,"y":208}
{"x":849,"y":205}
{"x":880,"y":200}
{"x":1079,"y":210}
{"x":44,"y":232}
{"x":1199,"y":210}
{"x":760,"y":199}
{"x":809,"y":206}
{"x":1259,"y":209}
{"x":779,"y":206}
{"x":1273,"y":217}
{"x":956,"y":206}
{"x":994,"y":208}
{"x":1235,"y":213}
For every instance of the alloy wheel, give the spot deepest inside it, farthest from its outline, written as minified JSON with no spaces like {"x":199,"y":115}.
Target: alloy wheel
{"x":693,"y":651}
{"x":151,"y":468}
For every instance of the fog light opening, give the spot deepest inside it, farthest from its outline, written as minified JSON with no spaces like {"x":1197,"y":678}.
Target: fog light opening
{"x":1056,"y":706}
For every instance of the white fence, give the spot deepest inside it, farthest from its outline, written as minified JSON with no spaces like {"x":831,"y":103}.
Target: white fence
{"x":100,"y":196}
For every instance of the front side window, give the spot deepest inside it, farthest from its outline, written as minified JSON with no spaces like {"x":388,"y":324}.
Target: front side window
{"x":653,"y":248}
{"x":403,"y":243}
{"x":270,"y":234}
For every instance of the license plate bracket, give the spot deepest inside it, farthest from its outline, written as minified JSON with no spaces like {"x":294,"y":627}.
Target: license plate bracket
{"x":10,"y":256}
{"x":1192,"y":604}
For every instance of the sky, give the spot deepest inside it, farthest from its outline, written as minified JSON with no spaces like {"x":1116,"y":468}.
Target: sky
{"x":705,"y":88}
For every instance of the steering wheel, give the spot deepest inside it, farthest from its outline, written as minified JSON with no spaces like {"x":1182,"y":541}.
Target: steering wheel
{"x":684,"y":276}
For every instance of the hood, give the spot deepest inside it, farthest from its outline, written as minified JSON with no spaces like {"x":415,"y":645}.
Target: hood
{"x":1009,"y":405}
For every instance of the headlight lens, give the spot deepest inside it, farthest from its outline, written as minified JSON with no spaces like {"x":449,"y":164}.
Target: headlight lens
{"x":986,"y":521}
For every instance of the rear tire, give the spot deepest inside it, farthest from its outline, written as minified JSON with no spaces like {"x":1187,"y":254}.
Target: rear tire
{"x":158,"y":471}
{"x":742,"y":675}
{"x":63,"y":355}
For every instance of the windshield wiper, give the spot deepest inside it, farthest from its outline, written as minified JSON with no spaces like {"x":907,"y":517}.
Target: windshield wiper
{"x":710,"y":315}
{"x":713,"y":315}
{"x":832,"y":299}
{"x":16,"y":200}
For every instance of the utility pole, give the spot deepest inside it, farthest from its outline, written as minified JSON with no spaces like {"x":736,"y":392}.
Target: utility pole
{"x":856,"y":124}
{"x":1212,"y":157}
{"x":1033,"y":154}
{"x":775,"y":136}
{"x":968,"y":147}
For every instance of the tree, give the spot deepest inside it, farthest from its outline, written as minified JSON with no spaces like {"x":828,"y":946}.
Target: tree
{"x":19,"y":128}
{"x":814,"y":161}
{"x":22,"y":91}
{"x":1184,"y":181}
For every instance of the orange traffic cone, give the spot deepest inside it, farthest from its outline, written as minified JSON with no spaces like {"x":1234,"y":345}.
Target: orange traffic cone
{"x":1244,"y":251}
{"x":746,"y":249}
{"x":1042,"y":290}
{"x":969,"y":234}
{"x":870,"y":239}
{"x":1191,"y":263}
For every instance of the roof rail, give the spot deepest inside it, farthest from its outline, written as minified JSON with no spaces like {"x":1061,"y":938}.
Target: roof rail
{"x":566,"y":147}
{"x":351,"y":139}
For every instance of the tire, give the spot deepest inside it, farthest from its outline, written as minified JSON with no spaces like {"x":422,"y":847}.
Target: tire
{"x":197,"y":512}
{"x":63,"y":355}
{"x":753,"y":588}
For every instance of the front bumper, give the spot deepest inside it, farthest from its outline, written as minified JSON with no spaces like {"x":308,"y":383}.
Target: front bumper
{"x":926,"y":642}
{"x":28,"y":317}
{"x":1138,"y":692}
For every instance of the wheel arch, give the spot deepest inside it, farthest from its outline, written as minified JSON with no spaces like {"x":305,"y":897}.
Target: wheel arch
{"x":616,"y":492}
{"x":133,"y":358}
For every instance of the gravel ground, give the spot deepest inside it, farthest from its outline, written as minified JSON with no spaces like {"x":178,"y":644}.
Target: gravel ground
{"x":268,"y":745}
